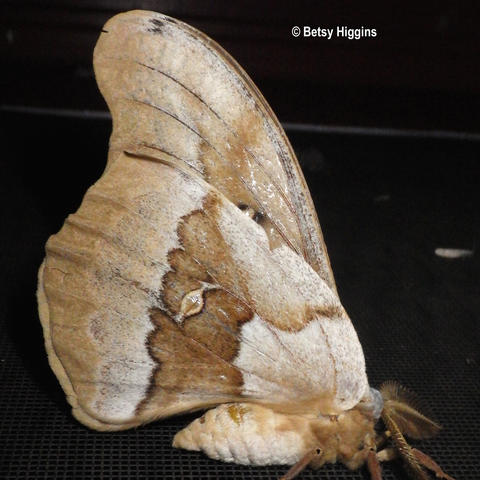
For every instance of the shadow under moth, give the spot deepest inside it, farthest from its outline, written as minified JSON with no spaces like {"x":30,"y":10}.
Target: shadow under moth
{"x":194,"y":275}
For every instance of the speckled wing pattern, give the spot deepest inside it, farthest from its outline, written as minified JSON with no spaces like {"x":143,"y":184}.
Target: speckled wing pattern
{"x":194,"y":272}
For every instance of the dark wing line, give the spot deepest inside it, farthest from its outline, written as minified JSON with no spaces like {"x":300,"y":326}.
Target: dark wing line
{"x":166,"y":152}
{"x":178,"y":82}
{"x":172,"y":115}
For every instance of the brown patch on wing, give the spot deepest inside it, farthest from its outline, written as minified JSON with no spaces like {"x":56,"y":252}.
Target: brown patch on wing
{"x":218,"y":324}
{"x":186,"y":365}
{"x":181,"y":261}
{"x":176,"y":285}
{"x":326,"y":310}
{"x":193,"y":352}
{"x":209,"y":256}
{"x":194,"y":357}
{"x":231,"y":171}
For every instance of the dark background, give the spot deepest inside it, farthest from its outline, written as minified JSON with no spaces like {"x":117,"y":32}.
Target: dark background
{"x":386,"y":130}
{"x":421,"y":71}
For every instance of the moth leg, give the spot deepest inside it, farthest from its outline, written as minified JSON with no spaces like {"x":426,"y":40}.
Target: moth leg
{"x":302,"y":463}
{"x":429,"y":463}
{"x":373,"y":465}
{"x":382,"y":439}
{"x":387,"y":454}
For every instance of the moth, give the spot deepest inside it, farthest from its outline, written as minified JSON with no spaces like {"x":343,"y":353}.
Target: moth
{"x":194,"y":275}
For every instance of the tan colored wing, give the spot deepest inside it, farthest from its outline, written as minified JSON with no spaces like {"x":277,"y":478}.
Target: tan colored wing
{"x":159,"y":296}
{"x":194,"y":272}
{"x":172,"y":89}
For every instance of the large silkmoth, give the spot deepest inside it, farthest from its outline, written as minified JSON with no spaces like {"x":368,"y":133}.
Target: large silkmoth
{"x":194,"y":275}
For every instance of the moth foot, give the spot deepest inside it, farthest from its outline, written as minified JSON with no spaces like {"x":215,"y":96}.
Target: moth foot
{"x":429,"y":463}
{"x":387,"y":454}
{"x":303,"y":463}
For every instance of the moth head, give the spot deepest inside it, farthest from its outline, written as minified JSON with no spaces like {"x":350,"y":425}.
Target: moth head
{"x":372,"y":403}
{"x":404,"y":408}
